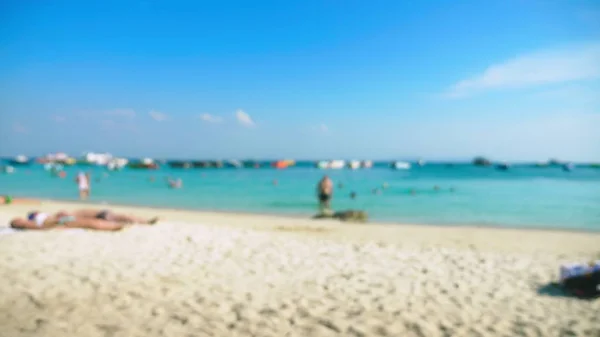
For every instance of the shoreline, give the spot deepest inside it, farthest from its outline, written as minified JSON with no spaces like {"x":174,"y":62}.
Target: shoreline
{"x":231,"y":274}
{"x":297,"y":216}
{"x":461,"y":237}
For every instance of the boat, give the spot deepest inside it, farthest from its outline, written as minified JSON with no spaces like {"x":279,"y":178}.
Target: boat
{"x":354,"y":164}
{"x":420,"y":163}
{"x":323,"y":164}
{"x":19,"y":160}
{"x":251,"y":164}
{"x":8,"y":169}
{"x":57,"y":158}
{"x":401,"y":165}
{"x":117,"y":164}
{"x":92,"y":158}
{"x":337,"y":164}
{"x":179,"y":164}
{"x":282,"y":164}
{"x":366,"y":164}
{"x":145,"y":163}
{"x":481,"y":161}
{"x":568,"y":167}
{"x":503,"y":167}
{"x":233,"y":164}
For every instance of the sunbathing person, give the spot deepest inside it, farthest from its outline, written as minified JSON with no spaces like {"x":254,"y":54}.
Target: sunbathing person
{"x":108,"y":215}
{"x":43,"y":221}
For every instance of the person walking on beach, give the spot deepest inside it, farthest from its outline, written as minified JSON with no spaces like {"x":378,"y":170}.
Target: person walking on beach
{"x":83,"y":182}
{"x":324,"y":193}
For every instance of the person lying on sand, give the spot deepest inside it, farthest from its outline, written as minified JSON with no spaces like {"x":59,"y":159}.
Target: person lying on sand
{"x":43,"y":221}
{"x":7,"y":200}
{"x":108,"y":215}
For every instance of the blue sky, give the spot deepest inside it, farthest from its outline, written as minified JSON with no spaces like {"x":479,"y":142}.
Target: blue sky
{"x":513,"y":80}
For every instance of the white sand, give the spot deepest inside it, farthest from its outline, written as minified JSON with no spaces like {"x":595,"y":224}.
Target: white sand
{"x":207,"y":274}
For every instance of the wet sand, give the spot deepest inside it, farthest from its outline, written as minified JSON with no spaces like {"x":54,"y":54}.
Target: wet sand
{"x":213,"y":274}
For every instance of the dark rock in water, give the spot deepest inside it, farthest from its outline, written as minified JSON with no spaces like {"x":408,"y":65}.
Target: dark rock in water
{"x":480,"y":161}
{"x":348,"y":216}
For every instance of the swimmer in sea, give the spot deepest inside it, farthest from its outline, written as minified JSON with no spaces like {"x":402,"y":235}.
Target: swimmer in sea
{"x":175,"y":183}
{"x":436,"y":188}
{"x":325,"y":193}
{"x":385,"y":185}
{"x":83,"y":182}
{"x":352,"y":195}
{"x":340,"y":185}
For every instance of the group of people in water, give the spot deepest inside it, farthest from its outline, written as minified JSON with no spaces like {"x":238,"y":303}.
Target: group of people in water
{"x":325,"y":192}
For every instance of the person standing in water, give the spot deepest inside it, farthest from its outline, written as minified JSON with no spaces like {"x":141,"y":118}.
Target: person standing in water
{"x":83,"y":182}
{"x":324,"y":193}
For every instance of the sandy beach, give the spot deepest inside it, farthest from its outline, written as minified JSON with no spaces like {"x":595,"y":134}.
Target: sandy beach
{"x":213,"y":274}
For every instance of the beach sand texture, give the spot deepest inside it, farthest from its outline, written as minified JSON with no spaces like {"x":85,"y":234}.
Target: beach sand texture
{"x":207,"y":274}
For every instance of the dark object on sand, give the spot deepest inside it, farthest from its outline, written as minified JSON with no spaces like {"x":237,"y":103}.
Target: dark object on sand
{"x":348,"y":216}
{"x":584,"y":286}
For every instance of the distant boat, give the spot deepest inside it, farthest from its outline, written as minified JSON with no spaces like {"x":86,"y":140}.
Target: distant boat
{"x":568,"y":167}
{"x":337,"y":164}
{"x":179,"y":164}
{"x":117,"y":164}
{"x":323,"y":164}
{"x":420,"y":163}
{"x":283,"y":164}
{"x":145,"y":163}
{"x":8,"y":169}
{"x":366,"y":164}
{"x":354,"y":164}
{"x":401,"y":165}
{"x":19,"y":161}
{"x":233,"y":164}
{"x":481,"y":161}
{"x":503,"y":167}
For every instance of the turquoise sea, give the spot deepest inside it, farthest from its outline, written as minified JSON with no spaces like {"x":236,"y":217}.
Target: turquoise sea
{"x":524,"y":196}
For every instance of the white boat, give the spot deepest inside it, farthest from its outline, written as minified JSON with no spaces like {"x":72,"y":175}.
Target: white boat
{"x":337,"y":164}
{"x":117,"y":164}
{"x":323,"y":165}
{"x":401,"y":165}
{"x":101,"y":159}
{"x":8,"y":169}
{"x":420,"y":162}
{"x":367,"y":164}
{"x":354,"y":164}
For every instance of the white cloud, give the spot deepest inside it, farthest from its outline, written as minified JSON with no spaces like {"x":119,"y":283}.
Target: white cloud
{"x":243,"y":118}
{"x":121,"y":112}
{"x":58,"y":118}
{"x":581,"y":62}
{"x":19,"y":128}
{"x":211,"y":118}
{"x":158,"y":116}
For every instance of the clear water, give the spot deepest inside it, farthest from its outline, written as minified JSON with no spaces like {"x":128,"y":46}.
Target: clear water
{"x":520,"y":197}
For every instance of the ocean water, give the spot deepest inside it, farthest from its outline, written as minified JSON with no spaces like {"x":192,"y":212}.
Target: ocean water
{"x":521,"y":197}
